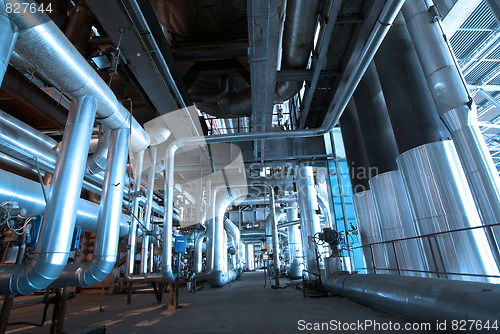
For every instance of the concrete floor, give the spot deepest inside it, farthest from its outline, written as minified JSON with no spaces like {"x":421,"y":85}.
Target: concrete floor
{"x":244,"y":306}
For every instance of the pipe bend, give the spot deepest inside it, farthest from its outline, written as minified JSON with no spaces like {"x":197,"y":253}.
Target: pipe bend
{"x":97,"y":162}
{"x":220,"y":278}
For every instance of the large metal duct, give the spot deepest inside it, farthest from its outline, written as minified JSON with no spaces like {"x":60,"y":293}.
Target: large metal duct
{"x":426,"y":300}
{"x":108,"y":224}
{"x":294,"y":244}
{"x":56,"y":59}
{"x":52,"y":251}
{"x":29,"y":196}
{"x":198,"y":253}
{"x":431,"y":171}
{"x":7,"y":39}
{"x":250,"y":257}
{"x":457,"y":110}
{"x":310,"y":226}
{"x":234,"y":232}
{"x":387,"y":189}
{"x":97,"y":161}
{"x":80,"y":26}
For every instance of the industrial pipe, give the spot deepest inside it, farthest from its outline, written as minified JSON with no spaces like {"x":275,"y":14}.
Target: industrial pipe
{"x":108,"y":224}
{"x":148,"y":210}
{"x":57,"y":60}
{"x":272,"y":239}
{"x":234,"y":232}
{"x":425,"y":300}
{"x":198,"y":253}
{"x":52,"y":251}
{"x":7,"y":39}
{"x":325,"y":210}
{"x":294,"y":244}
{"x":457,"y":110}
{"x":97,"y":161}
{"x":250,"y":257}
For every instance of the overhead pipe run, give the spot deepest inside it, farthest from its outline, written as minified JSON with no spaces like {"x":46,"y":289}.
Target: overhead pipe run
{"x":457,"y":110}
{"x":108,"y":225}
{"x":56,"y":59}
{"x":52,"y":251}
{"x":7,"y":39}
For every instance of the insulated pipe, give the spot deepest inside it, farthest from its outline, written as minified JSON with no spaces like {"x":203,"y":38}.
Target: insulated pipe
{"x":234,"y":232}
{"x":425,"y":300}
{"x":8,"y":37}
{"x":310,"y":225}
{"x":80,"y":26}
{"x":29,"y":196}
{"x":147,"y":215}
{"x":250,"y":257}
{"x":97,"y":162}
{"x":294,"y":244}
{"x":271,"y":226}
{"x":325,"y":209}
{"x":56,"y":59}
{"x":457,"y":110}
{"x":198,"y":253}
{"x":108,"y":224}
{"x":52,"y":251}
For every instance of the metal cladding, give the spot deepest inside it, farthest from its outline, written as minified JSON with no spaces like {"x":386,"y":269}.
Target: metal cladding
{"x":369,"y":232}
{"x":421,"y":299}
{"x":442,"y":202}
{"x":234,"y":232}
{"x":108,"y":222}
{"x":51,"y":253}
{"x":7,"y":40}
{"x":396,"y":217}
{"x":250,"y":257}
{"x":458,"y":112}
{"x":54,"y":57}
{"x":148,"y":211}
{"x":412,"y":111}
{"x":198,"y":253}
{"x":310,"y":225}
{"x":294,"y":244}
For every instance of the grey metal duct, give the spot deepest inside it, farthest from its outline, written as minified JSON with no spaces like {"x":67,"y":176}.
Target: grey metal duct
{"x":421,"y":299}
{"x":442,"y":202}
{"x":29,"y":196}
{"x":250,"y":257}
{"x":59,"y":218}
{"x":234,"y":232}
{"x":8,"y":39}
{"x":310,"y":225}
{"x":457,"y":110}
{"x":148,"y":210}
{"x":108,"y":224}
{"x":394,"y":211}
{"x":369,"y":233}
{"x":294,"y":244}
{"x":55,"y":58}
{"x":198,"y":253}
{"x":97,"y":161}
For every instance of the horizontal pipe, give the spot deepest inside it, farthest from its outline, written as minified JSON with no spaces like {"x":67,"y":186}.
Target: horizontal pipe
{"x":42,"y":42}
{"x":421,"y":299}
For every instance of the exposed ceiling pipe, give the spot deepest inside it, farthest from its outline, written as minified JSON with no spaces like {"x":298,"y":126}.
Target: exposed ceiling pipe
{"x":421,"y":299}
{"x":58,"y":224}
{"x":56,"y":59}
{"x":221,"y":92}
{"x":7,"y":39}
{"x":79,"y":26}
{"x":457,"y":110}
{"x":108,"y":222}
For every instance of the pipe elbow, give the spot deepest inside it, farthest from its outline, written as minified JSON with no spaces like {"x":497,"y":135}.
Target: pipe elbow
{"x":95,"y":271}
{"x":28,"y":277}
{"x":220,"y":278}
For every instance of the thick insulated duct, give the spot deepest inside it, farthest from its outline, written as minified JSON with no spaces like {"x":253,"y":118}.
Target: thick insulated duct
{"x":250,"y":257}
{"x":432,"y":174}
{"x":52,"y":251}
{"x":426,"y":300}
{"x":294,"y":244}
{"x":97,"y":161}
{"x":233,"y":231}
{"x":29,"y":196}
{"x":198,"y":253}
{"x":108,"y":224}
{"x":7,"y":38}
{"x":325,"y":210}
{"x":310,"y":225}
{"x":457,"y":110}
{"x":56,"y":59}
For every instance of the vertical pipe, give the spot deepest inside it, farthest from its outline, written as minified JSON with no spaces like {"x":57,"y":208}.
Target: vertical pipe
{"x":250,"y":259}
{"x":8,"y":37}
{"x":132,"y":238}
{"x":147,"y":216}
{"x":458,"y":111}
{"x":310,"y":225}
{"x":198,"y":253}
{"x":432,"y":174}
{"x":51,"y":253}
{"x":294,"y":244}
